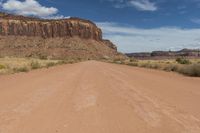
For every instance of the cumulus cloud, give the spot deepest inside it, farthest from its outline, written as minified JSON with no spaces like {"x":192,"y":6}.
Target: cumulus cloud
{"x":142,"y":5}
{"x":28,"y":7}
{"x":131,"y":39}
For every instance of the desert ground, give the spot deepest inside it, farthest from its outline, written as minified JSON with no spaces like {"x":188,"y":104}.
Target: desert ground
{"x":97,"y":97}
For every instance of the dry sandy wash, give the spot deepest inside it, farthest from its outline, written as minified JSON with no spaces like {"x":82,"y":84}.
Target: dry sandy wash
{"x":96,"y":97}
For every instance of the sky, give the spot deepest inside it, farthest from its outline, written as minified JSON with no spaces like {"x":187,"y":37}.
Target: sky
{"x":133,"y":25}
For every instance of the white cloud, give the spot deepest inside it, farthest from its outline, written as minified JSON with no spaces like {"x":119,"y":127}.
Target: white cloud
{"x":28,"y":7}
{"x":57,"y":17}
{"x":196,"y":20}
{"x":131,"y":39}
{"x":142,"y":5}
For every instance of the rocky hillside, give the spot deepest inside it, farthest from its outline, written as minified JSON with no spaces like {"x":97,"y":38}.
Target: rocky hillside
{"x":33,"y":37}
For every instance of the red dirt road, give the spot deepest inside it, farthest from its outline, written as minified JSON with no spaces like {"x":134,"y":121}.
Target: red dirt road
{"x":96,"y":97}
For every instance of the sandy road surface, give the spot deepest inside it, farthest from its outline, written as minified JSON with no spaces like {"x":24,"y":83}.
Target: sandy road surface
{"x":96,"y":97}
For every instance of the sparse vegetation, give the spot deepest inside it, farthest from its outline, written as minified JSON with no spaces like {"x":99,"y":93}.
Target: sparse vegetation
{"x":191,"y":70}
{"x":10,"y":65}
{"x":133,"y":60}
{"x":182,"y":60}
{"x":2,"y":66}
{"x":50,"y":64}
{"x":42,"y":57}
{"x":189,"y":67}
{"x":21,"y":69}
{"x":35,"y":65}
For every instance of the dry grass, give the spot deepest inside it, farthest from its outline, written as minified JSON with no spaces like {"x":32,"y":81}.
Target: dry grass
{"x":10,"y":65}
{"x":189,"y":67}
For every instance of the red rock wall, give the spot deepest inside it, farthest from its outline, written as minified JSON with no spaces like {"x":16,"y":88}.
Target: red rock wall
{"x":25,"y":26}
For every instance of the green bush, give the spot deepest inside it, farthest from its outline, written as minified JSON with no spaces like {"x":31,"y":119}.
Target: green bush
{"x":183,"y":60}
{"x":2,"y":67}
{"x":35,"y":65}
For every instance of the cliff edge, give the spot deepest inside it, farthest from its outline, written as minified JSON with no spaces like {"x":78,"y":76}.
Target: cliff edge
{"x":33,"y":37}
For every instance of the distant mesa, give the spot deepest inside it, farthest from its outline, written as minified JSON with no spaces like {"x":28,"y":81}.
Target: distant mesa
{"x":62,"y":38}
{"x":194,"y":53}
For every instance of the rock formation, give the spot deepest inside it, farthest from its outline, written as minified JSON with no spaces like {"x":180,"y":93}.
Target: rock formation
{"x":193,"y":53}
{"x":27,"y":36}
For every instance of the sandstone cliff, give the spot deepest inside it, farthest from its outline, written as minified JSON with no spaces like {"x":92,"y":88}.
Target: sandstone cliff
{"x":24,"y":26}
{"x":74,"y":37}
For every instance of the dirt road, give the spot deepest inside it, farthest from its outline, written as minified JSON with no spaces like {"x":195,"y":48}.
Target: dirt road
{"x":96,"y":97}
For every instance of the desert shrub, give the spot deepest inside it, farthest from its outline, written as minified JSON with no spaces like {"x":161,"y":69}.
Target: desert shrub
{"x":2,"y":67}
{"x":183,"y":60}
{"x":21,"y":69}
{"x":43,"y":57}
{"x":118,"y":59}
{"x":133,"y":60}
{"x":61,"y":62}
{"x":35,"y":65}
{"x":155,"y":66}
{"x":50,"y":64}
{"x":105,"y":57}
{"x":118,"y":62}
{"x":145,"y":65}
{"x":171,"y":67}
{"x":71,"y":61}
{"x":191,"y":70}
{"x":78,"y":59}
{"x":132,"y":64}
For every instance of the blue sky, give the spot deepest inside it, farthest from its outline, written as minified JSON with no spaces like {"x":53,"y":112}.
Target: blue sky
{"x":133,"y":25}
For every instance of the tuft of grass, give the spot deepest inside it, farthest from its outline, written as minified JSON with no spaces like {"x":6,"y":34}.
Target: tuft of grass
{"x":35,"y":65}
{"x":191,"y":70}
{"x":51,"y":64}
{"x":133,"y":60}
{"x":43,"y":57}
{"x":2,"y":66}
{"x":21,"y":69}
{"x":182,"y":60}
{"x":132,"y":64}
{"x":171,"y":67}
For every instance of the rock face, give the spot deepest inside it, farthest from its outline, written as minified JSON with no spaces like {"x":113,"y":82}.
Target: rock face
{"x":33,"y":37}
{"x":24,"y":26}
